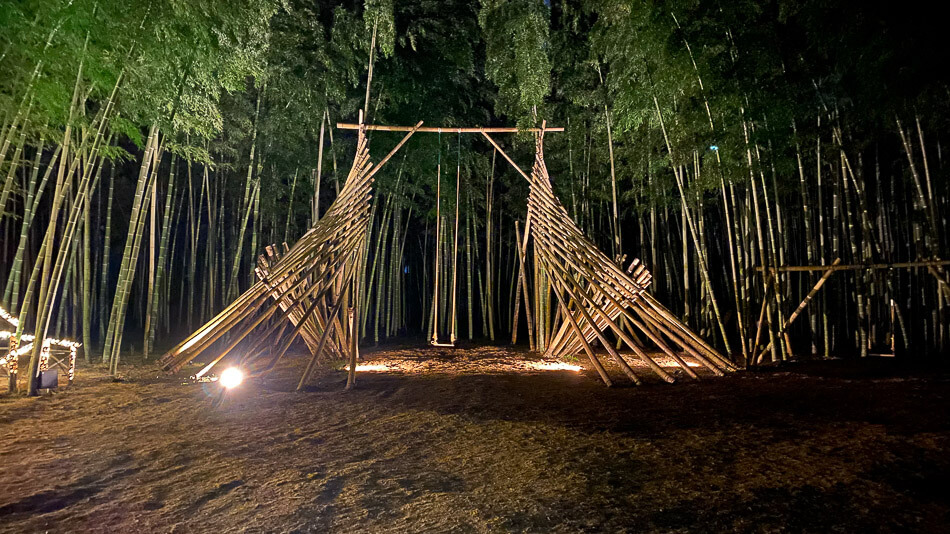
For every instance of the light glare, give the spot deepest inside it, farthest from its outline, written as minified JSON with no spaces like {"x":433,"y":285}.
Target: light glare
{"x":231,"y":377}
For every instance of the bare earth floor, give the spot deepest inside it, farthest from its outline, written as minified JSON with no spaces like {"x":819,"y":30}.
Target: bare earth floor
{"x":483,"y":440}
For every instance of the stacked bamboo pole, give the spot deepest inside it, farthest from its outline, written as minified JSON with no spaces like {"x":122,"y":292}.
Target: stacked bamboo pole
{"x":304,"y":292}
{"x":594,"y":292}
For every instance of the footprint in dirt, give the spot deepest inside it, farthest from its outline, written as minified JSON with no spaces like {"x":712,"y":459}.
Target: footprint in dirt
{"x":156,"y":499}
{"x":320,"y":515}
{"x":49,"y":501}
{"x":331,"y":490}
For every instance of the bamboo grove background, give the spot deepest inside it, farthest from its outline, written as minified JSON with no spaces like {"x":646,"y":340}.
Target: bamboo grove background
{"x":150,"y":150}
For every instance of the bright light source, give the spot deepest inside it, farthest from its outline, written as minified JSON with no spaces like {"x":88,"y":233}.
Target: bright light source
{"x":231,"y":377}
{"x":554,"y":366}
{"x":372,"y":367}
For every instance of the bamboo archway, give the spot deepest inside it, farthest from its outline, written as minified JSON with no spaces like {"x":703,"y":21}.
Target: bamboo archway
{"x":311,"y":290}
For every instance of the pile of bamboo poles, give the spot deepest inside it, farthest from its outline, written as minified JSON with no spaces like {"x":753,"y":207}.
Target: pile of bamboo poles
{"x":305,"y":292}
{"x":593,"y":292}
{"x":287,"y":293}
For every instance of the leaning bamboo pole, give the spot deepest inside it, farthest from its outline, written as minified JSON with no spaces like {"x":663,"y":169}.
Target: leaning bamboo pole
{"x":703,"y":264}
{"x":31,"y":202}
{"x":49,"y":283}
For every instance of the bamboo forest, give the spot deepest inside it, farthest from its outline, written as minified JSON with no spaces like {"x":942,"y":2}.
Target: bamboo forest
{"x":484,"y":266}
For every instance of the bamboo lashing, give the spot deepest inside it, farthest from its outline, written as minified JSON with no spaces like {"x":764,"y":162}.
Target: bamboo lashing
{"x":941,"y":281}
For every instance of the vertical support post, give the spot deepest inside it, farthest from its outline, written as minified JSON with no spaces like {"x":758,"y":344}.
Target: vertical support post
{"x":12,"y":362}
{"x":43,"y":365}
{"x":354,"y":342}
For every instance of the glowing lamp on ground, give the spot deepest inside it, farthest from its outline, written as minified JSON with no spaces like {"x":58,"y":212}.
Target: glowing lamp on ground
{"x":231,"y":377}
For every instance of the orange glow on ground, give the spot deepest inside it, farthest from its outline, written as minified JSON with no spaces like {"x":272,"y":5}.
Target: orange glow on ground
{"x":371,"y":367}
{"x":554,"y":366}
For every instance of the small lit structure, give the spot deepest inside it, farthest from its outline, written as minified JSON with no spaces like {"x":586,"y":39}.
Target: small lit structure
{"x":60,"y":353}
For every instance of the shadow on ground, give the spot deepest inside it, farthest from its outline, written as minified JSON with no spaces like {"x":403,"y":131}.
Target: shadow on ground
{"x":474,"y":440}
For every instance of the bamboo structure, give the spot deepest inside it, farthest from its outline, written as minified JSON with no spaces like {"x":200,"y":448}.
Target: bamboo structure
{"x":308,"y":289}
{"x":593,"y":292}
{"x":804,"y":303}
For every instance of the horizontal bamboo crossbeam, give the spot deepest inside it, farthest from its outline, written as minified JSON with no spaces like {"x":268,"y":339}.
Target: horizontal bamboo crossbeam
{"x":441,"y":129}
{"x":859,"y":266}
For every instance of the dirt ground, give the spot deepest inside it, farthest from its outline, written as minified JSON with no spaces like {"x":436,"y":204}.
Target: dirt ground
{"x":483,"y":440}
